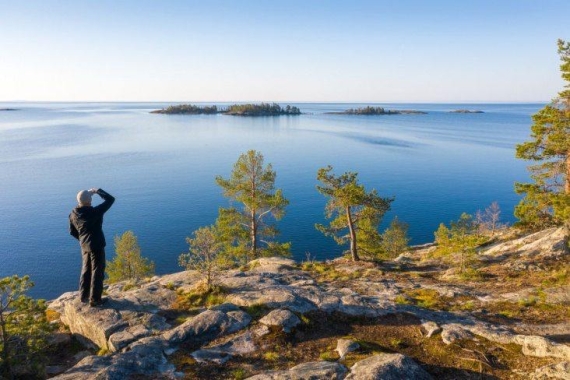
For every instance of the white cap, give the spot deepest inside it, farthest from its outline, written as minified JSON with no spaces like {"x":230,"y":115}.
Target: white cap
{"x":84,"y":198}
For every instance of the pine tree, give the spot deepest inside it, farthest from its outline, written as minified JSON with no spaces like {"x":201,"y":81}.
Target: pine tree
{"x":249,"y":230}
{"x":205,"y":255}
{"x":24,"y":329}
{"x":547,"y":199}
{"x":128,"y":263}
{"x":459,"y":241}
{"x":395,"y":239}
{"x":351,"y":208}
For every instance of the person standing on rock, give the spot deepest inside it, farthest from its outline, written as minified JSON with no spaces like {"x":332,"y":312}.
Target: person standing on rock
{"x":86,"y":225}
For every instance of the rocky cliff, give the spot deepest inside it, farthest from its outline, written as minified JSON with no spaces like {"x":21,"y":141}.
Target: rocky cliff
{"x":410,"y":318}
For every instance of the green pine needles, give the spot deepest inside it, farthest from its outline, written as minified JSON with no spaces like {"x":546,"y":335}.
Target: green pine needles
{"x":547,"y":198}
{"x":247,"y":228}
{"x":356,"y":214}
{"x":24,"y":330}
{"x":128,"y":263}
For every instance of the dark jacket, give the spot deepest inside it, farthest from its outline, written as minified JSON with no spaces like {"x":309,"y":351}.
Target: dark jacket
{"x":86,"y":223}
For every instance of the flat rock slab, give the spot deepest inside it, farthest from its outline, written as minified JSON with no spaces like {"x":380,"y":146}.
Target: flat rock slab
{"x":387,"y":367}
{"x":124,"y":318}
{"x":242,"y":344}
{"x":306,"y":371}
{"x":282,"y":318}
{"x":208,"y":325}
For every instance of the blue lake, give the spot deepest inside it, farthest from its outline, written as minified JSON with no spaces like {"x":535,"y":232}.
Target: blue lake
{"x":161,"y":169}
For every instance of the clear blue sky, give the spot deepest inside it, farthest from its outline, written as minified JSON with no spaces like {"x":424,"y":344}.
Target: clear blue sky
{"x":306,"y":50}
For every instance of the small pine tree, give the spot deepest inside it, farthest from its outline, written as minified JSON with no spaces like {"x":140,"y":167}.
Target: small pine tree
{"x":351,"y":208}
{"x":128,"y":263}
{"x":24,"y":329}
{"x":459,"y":242}
{"x":395,"y":239}
{"x":205,"y":255}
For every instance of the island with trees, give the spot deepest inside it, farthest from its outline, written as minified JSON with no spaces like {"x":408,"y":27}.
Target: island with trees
{"x":263,"y":109}
{"x":188,"y":109}
{"x":375,"y":111}
{"x":250,"y":109}
{"x":466,"y":111}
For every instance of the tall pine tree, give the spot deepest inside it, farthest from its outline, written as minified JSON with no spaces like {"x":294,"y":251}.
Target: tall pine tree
{"x":547,"y":199}
{"x":248,"y":229}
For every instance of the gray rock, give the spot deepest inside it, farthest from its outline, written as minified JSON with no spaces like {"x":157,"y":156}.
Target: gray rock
{"x":126,"y":317}
{"x":387,"y":367}
{"x":272,"y":264}
{"x":221,"y":353}
{"x":553,"y":371}
{"x":207,"y":325}
{"x":344,"y":346}
{"x":539,"y":346}
{"x":306,"y":371}
{"x":282,"y":318}
{"x":431,"y":328}
{"x":452,"y":332}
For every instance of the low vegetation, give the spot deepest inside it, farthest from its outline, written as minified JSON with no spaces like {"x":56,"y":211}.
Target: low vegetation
{"x":24,"y":329}
{"x":128,"y":264}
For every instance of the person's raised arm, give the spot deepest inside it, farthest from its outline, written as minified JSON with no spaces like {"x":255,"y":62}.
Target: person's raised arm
{"x":108,"y":200}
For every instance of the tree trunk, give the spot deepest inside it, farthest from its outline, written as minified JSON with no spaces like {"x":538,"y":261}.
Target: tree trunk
{"x":7,"y":369}
{"x":353,"y":248}
{"x":253,"y":235}
{"x":567,"y":185}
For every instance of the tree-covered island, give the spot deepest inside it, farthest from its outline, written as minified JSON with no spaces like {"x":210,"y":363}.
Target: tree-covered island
{"x":375,"y":111}
{"x":262,"y":109}
{"x":466,"y":111}
{"x":188,"y":109}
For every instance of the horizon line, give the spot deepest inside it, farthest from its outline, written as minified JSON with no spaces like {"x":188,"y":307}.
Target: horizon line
{"x":281,"y":101}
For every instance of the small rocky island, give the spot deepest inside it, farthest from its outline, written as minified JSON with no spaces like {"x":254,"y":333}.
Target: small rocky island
{"x":263,"y":109}
{"x":466,"y":111}
{"x":8,"y":109}
{"x":375,"y":111}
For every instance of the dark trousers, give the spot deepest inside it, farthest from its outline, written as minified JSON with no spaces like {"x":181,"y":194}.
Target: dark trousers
{"x":92,"y":275}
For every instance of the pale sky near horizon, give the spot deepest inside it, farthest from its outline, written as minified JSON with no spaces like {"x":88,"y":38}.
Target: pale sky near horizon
{"x":302,"y":50}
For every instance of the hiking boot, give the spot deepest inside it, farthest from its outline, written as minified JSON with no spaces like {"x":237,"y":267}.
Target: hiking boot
{"x":94,"y":303}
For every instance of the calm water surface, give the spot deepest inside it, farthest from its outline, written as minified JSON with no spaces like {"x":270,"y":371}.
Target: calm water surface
{"x":161,"y":169}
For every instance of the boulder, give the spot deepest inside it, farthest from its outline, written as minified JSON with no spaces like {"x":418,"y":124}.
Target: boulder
{"x":282,"y":318}
{"x":431,"y":328}
{"x":387,"y":367}
{"x":553,"y":371}
{"x":452,"y":332}
{"x":344,"y":346}
{"x":533,"y":345}
{"x":306,"y":371}
{"x":208,"y":325}
{"x":240,"y":345}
